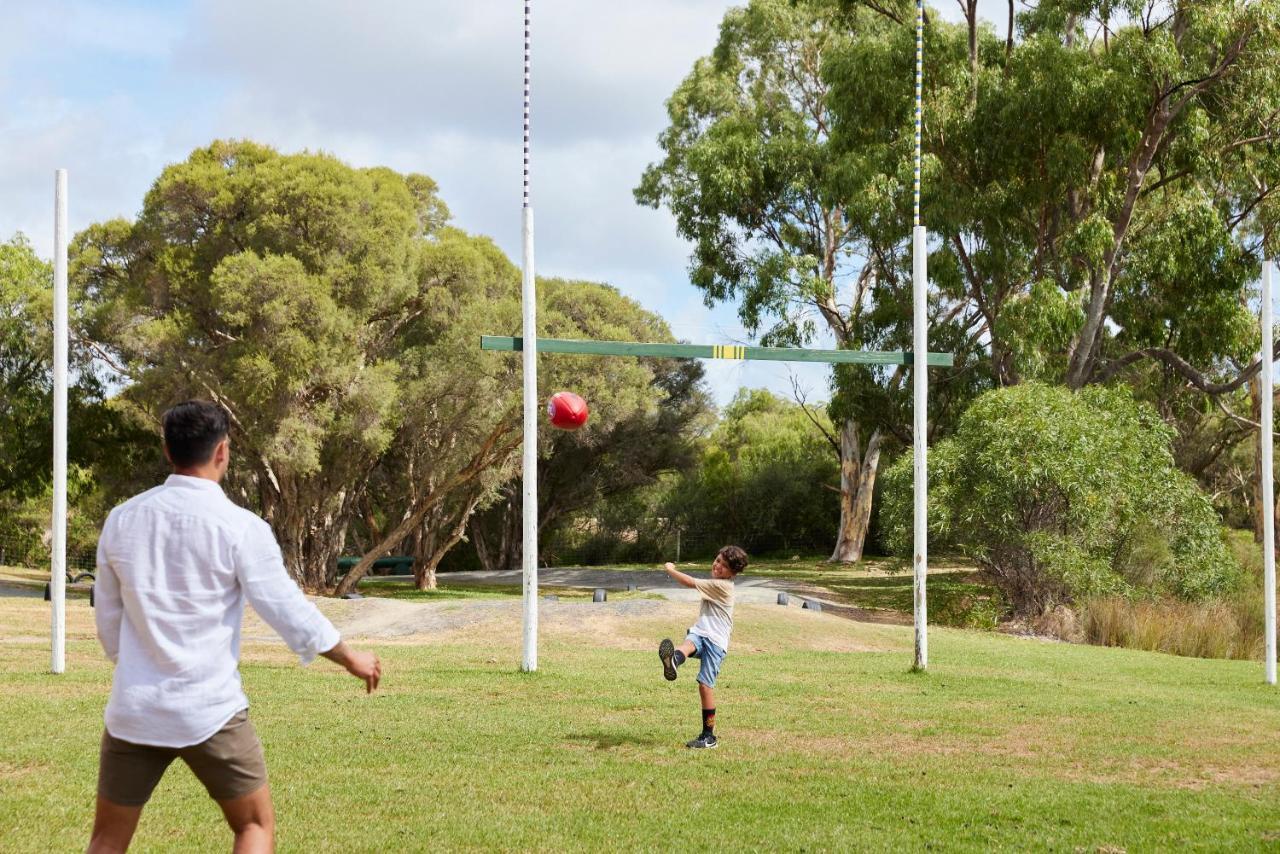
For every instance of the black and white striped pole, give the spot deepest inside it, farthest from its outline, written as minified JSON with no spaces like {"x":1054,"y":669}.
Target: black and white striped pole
{"x":920,"y":373}
{"x":529,"y":468}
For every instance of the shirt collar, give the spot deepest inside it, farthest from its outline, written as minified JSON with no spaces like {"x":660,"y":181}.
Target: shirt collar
{"x":184,"y":481}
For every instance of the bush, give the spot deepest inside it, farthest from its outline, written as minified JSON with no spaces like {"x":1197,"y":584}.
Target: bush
{"x":1062,"y":496}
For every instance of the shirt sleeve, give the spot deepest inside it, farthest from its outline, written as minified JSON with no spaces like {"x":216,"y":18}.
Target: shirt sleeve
{"x":278,"y":599}
{"x":714,"y":589}
{"x":108,"y":606}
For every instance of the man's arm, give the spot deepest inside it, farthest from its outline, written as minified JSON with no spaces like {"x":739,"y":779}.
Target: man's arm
{"x":362,"y":665}
{"x":108,"y":606}
{"x":279,"y":601}
{"x":686,"y":580}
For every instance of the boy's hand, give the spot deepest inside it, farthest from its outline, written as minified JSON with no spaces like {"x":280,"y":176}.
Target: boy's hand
{"x":669,"y":567}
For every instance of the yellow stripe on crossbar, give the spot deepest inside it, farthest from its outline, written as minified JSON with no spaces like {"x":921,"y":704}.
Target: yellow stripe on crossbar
{"x":728,"y":351}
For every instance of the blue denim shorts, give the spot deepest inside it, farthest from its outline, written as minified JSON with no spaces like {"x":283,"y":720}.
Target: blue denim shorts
{"x":709,"y":656}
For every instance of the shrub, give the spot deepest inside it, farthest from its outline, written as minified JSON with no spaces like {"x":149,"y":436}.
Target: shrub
{"x":1065,"y":495}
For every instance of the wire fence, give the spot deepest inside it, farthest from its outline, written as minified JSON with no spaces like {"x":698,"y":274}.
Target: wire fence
{"x":33,"y":551}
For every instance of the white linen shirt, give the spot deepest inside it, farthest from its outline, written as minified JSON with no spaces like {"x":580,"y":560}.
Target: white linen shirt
{"x":175,"y":566}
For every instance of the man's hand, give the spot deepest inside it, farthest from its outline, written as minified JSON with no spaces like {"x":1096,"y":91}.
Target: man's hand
{"x":669,"y":567}
{"x":362,"y":665}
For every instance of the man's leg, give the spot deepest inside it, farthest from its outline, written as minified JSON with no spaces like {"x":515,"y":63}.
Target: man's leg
{"x":253,"y":820}
{"x":113,"y":827}
{"x":127,"y":775}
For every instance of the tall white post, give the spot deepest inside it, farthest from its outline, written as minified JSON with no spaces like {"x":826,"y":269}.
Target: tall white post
{"x":58,"y":569}
{"x":529,"y":470}
{"x":920,"y":370}
{"x":1268,"y":498}
{"x":920,"y":430}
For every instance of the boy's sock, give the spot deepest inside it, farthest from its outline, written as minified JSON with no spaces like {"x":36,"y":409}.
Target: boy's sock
{"x":679,"y":658}
{"x":708,"y":721}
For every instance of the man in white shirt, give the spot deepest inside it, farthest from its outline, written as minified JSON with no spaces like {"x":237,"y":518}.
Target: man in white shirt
{"x":175,"y":567}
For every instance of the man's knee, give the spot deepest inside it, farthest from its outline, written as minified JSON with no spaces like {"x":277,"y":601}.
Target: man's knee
{"x":252,"y":813}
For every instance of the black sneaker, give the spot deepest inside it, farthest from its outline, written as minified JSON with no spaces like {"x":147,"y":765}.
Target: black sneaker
{"x":706,"y":741}
{"x":667,"y":652}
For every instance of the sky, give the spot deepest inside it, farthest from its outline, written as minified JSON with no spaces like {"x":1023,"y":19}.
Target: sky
{"x":115,"y":90}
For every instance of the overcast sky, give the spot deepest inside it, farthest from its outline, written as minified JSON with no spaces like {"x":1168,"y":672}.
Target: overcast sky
{"x":114,"y":90}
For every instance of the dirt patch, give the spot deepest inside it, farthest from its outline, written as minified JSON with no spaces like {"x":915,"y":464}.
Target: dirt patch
{"x":626,"y":624}
{"x":10,"y":771}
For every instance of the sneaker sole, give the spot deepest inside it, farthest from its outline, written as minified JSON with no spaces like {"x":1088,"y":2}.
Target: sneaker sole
{"x":667,"y":652}
{"x":712,"y":746}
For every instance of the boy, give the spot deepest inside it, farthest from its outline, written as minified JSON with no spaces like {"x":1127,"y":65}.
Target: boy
{"x":708,"y":640}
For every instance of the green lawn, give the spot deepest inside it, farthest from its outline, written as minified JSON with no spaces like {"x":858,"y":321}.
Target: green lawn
{"x":1006,"y":744}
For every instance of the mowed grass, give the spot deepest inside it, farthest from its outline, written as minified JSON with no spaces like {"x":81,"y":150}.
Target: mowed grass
{"x":1005,"y":744}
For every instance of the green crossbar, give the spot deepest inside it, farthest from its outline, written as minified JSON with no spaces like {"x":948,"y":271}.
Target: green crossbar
{"x":714,"y":351}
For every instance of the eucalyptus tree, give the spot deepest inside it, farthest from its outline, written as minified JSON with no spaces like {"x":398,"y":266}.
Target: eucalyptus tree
{"x":285,"y":287}
{"x":796,"y":229}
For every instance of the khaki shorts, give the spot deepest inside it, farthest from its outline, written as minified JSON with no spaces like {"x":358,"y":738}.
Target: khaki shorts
{"x":229,"y":764}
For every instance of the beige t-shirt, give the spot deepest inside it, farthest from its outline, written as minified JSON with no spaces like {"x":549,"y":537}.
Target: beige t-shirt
{"x":715,"y":617}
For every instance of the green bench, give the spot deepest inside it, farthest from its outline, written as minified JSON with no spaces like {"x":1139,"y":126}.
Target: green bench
{"x":390,"y":565}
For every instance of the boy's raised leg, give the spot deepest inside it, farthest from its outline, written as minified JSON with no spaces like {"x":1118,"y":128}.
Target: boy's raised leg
{"x":673,"y":656}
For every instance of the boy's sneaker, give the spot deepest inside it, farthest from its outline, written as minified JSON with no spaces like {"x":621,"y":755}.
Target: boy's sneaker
{"x":667,"y":652}
{"x":706,"y":741}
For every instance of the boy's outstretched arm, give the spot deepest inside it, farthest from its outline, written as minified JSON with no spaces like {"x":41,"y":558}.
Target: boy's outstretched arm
{"x":686,"y":580}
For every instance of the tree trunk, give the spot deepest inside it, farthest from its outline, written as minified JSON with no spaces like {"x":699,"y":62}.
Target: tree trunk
{"x":311,"y":533}
{"x":857,"y":484}
{"x":498,"y":533}
{"x":492,"y":452}
{"x":440,"y":543}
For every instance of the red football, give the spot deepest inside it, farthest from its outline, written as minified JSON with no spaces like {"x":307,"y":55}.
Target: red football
{"x":567,"y":411}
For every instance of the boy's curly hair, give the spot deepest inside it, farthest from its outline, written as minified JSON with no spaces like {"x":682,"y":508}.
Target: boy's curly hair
{"x":734,"y":557}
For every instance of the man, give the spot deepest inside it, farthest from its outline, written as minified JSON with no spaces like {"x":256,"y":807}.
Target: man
{"x":175,"y":567}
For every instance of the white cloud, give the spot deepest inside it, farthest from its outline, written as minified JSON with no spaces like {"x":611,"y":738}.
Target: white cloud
{"x":431,"y":86}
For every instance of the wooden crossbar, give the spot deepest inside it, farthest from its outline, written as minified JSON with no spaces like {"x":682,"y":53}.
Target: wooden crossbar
{"x":714,"y":351}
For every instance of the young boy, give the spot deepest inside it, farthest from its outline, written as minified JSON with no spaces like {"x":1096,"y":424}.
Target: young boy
{"x":708,"y":640}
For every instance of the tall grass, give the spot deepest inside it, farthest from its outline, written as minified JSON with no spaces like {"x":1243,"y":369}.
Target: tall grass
{"x":1231,"y":626}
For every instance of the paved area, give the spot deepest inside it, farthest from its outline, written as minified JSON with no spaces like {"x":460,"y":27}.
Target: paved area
{"x":748,"y":589}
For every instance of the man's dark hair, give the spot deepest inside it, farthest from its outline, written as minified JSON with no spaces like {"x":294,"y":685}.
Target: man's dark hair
{"x":735,"y":558}
{"x":192,"y":429}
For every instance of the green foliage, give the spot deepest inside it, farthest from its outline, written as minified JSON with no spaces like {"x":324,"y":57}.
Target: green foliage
{"x":1062,"y":495}
{"x":767,"y":479}
{"x":330,"y":309}
{"x":101,"y":437}
{"x":644,"y":414}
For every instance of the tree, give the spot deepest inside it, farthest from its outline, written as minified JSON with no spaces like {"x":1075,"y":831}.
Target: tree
{"x":765,"y":479}
{"x":1061,"y":495}
{"x":1100,"y":190}
{"x":105,"y":446}
{"x":284,"y":287}
{"x":753,"y":181}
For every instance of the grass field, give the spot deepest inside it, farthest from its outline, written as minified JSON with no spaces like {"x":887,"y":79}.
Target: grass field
{"x":1006,"y":744}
